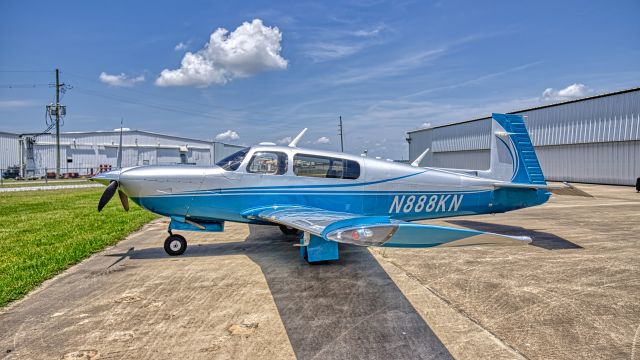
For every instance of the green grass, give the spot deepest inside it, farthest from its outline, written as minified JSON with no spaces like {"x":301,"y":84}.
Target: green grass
{"x":43,"y":233}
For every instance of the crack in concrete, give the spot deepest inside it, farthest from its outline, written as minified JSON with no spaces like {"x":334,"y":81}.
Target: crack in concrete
{"x":463,"y":313}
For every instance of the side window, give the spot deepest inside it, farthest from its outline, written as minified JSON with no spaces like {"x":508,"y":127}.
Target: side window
{"x":233,"y":161}
{"x":351,"y":170}
{"x":272,"y":163}
{"x":325,"y":167}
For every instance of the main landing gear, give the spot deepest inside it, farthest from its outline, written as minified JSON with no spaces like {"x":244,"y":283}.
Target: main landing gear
{"x":288,"y":230}
{"x":175,"y":244}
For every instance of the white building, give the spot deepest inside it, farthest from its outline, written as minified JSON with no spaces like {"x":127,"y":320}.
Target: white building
{"x":85,"y":152}
{"x":9,"y":149}
{"x":591,"y":140}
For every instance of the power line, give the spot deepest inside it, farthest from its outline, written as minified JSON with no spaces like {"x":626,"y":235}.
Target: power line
{"x":123,"y":99}
{"x":22,"y":86}
{"x":138,"y":91}
{"x":100,"y":94}
{"x":26,"y":71}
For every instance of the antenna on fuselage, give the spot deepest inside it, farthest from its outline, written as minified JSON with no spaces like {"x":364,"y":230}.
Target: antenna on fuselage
{"x":416,"y":162}
{"x":294,"y":142}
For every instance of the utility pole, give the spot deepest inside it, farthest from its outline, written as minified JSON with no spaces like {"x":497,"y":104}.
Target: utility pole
{"x":58,"y":123}
{"x":119,"y":163}
{"x":341,"y":140}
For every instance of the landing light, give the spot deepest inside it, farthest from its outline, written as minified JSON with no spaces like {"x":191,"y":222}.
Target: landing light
{"x":370,"y":235}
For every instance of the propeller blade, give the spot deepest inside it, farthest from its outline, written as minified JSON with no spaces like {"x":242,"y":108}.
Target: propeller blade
{"x":124,"y":200}
{"x":107,"y":195}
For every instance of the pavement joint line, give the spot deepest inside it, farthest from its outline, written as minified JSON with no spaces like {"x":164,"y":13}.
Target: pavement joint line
{"x":634,"y":343}
{"x":51,"y":187}
{"x":461,"y":312}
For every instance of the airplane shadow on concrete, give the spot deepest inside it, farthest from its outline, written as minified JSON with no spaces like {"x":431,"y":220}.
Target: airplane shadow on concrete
{"x":349,"y":308}
{"x":541,"y":239}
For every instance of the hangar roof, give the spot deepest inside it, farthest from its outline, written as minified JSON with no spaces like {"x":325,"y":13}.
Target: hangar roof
{"x":534,"y":108}
{"x":117,"y":132}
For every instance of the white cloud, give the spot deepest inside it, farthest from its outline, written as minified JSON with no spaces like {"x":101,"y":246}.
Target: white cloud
{"x":228,"y":135}
{"x":322,"y":140}
{"x":12,"y":104}
{"x":336,"y":44}
{"x":121,"y":80}
{"x":327,"y":51}
{"x":395,"y":67}
{"x":248,"y":50}
{"x":473,"y":81}
{"x":285,"y":140}
{"x":181,"y":46}
{"x":402,"y":63}
{"x":368,"y":33}
{"x":571,"y":92}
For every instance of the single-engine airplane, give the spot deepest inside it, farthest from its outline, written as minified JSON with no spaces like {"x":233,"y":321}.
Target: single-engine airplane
{"x":333,"y":198}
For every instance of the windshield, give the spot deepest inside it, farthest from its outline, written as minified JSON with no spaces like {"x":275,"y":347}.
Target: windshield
{"x":233,"y":161}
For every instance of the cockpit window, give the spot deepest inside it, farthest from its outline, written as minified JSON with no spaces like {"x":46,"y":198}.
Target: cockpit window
{"x":325,"y":167}
{"x":268,"y":162}
{"x":233,"y":161}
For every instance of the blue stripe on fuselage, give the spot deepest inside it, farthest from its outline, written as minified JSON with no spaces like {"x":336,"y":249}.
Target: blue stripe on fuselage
{"x":229,"y":206}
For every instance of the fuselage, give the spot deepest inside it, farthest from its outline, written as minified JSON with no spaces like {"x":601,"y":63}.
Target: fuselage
{"x":268,"y":176}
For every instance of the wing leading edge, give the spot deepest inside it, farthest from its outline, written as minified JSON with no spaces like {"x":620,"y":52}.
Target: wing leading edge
{"x":378,"y":230}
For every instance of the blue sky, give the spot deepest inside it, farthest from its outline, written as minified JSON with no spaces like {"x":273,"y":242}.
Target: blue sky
{"x":386,"y":66}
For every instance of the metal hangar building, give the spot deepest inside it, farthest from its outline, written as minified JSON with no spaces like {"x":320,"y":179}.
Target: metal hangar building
{"x":85,"y":152}
{"x":591,"y":140}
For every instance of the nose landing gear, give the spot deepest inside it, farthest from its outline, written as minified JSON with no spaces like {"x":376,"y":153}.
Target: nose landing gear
{"x":175,"y":244}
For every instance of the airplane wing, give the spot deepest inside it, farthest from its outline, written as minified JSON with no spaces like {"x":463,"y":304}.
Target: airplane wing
{"x":378,"y":230}
{"x":311,"y":220}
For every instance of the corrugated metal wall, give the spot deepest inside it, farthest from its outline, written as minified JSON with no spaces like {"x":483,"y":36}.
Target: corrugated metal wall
{"x":471,"y":159}
{"x":603,"y":163}
{"x":594,"y":140}
{"x":9,"y":150}
{"x":221,"y":150}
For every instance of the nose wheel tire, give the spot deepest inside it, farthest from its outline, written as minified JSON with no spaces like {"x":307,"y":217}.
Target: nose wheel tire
{"x":175,"y":245}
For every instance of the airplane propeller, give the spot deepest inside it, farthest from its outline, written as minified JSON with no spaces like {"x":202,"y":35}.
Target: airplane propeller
{"x":124,"y":199}
{"x":108,"y":194}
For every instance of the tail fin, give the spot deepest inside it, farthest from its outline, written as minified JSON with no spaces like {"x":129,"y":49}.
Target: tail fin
{"x":513,"y":158}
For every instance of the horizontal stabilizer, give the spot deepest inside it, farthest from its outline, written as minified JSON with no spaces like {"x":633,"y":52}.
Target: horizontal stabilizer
{"x":568,"y":189}
{"x":565,"y":189}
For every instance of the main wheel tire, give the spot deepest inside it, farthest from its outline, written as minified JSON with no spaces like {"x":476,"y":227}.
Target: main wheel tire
{"x":288,"y":230}
{"x":175,"y":245}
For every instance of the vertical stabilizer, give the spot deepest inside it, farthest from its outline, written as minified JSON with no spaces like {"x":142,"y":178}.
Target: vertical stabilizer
{"x":513,"y":157}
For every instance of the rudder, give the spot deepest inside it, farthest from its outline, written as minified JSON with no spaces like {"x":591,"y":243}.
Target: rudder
{"x":513,"y":157}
